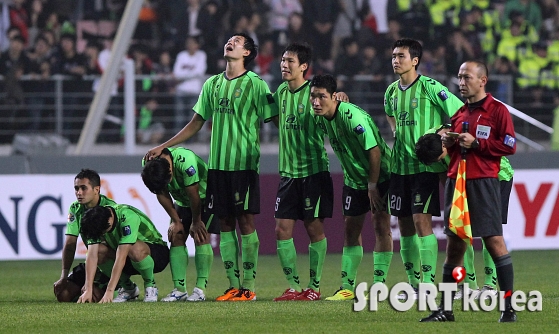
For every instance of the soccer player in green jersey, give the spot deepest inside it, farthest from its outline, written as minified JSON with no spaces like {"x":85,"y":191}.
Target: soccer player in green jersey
{"x":305,"y":191}
{"x":180,"y":173}
{"x":430,"y":150}
{"x":237,"y":100}
{"x":87,"y":187}
{"x":365,"y":159}
{"x":414,"y":104}
{"x":130,"y":243}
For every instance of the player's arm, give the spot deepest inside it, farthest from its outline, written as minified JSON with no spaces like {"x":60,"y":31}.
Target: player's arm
{"x":164,"y":198}
{"x":68,"y":253}
{"x":197,"y":228}
{"x":441,"y":96}
{"x":91,"y":260}
{"x":195,"y":124}
{"x":388,"y":110}
{"x":374,"y":173}
{"x":120,"y":260}
{"x":392,"y":123}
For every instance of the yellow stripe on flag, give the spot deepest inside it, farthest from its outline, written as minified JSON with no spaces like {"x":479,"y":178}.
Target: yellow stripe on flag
{"x":459,"y":220}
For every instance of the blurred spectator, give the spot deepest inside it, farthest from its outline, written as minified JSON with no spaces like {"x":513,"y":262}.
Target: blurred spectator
{"x":458,"y":51}
{"x":146,"y":29}
{"x":210,"y":23}
{"x":384,"y":42}
{"x":4,"y":26}
{"x":185,"y":22}
{"x":550,"y":16}
{"x":72,"y":64}
{"x":319,"y":18}
{"x":526,"y":28}
{"x":470,"y":30}
{"x":189,"y":71}
{"x":416,"y":17}
{"x":278,"y":18}
{"x":296,"y":31}
{"x":348,"y":63}
{"x":20,"y":18}
{"x":13,"y":101}
{"x":373,"y":65}
{"x":553,"y":48}
{"x":14,"y":56}
{"x":514,"y":44}
{"x":347,"y":23}
{"x":529,"y":73}
{"x":500,"y":87}
{"x":37,"y":19}
{"x":264,"y":59}
{"x":165,"y":88}
{"x":253,"y":27}
{"x":378,"y":8}
{"x":40,"y":88}
{"x":529,"y":8}
{"x":149,"y":131}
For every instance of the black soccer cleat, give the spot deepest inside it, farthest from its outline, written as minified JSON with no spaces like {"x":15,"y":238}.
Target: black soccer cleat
{"x":508,"y":316}
{"x":439,"y":315}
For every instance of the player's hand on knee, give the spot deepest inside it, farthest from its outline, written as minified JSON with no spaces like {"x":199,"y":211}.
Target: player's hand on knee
{"x":175,"y":229}
{"x":198,"y":232}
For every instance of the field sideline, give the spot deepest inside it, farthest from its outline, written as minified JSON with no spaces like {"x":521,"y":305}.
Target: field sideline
{"x":27,"y":304}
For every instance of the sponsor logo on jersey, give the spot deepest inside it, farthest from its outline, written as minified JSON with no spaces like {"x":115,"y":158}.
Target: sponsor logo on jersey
{"x":403,"y":119}
{"x":359,"y":129}
{"x":291,"y":119}
{"x":71,"y":218}
{"x":442,"y":95}
{"x":403,"y":115}
{"x":224,"y":108}
{"x":224,"y":102}
{"x":126,"y":230}
{"x":414,"y":103}
{"x":190,"y":171}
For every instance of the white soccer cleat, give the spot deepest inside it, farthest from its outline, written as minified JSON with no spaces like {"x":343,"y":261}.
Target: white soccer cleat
{"x":197,"y":295}
{"x":492,"y":291}
{"x":151,"y":294}
{"x":127,"y":295}
{"x":404,"y":295}
{"x":473,"y":293}
{"x":175,"y":296}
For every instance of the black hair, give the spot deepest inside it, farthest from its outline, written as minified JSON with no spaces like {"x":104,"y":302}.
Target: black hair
{"x":414,"y":47}
{"x":324,"y":81}
{"x":157,"y":173}
{"x":95,"y":222}
{"x":91,"y":175}
{"x":481,"y":68}
{"x":429,"y":148}
{"x":250,"y":46}
{"x":303,"y":52}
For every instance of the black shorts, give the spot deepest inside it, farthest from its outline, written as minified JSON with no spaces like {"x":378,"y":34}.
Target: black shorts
{"x":506,"y":187}
{"x":484,"y":205}
{"x":77,"y":276}
{"x":160,"y":255}
{"x":232,"y":193}
{"x":185,"y":214}
{"x":417,"y":193}
{"x":356,"y":202}
{"x":305,"y":198}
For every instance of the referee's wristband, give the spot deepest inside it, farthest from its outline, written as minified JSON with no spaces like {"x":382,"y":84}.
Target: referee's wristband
{"x":372,"y":185}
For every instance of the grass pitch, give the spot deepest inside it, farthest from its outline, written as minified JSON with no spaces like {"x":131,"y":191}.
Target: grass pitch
{"x":28,"y":305}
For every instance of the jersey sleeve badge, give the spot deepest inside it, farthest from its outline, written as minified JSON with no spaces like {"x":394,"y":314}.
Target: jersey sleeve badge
{"x":126,"y":230}
{"x":190,"y":171}
{"x":71,"y":218}
{"x":442,"y":94}
{"x":510,"y":141}
{"x":359,"y":129}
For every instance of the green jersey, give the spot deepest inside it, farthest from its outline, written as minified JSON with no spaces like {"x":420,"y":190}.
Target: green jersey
{"x":301,"y":145}
{"x":352,"y":133}
{"x":236,"y":107}
{"x":421,"y":106}
{"x":188,"y":169}
{"x":75,"y":214}
{"x":129,"y":226}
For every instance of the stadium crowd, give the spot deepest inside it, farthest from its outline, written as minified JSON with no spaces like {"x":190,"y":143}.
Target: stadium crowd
{"x":178,"y":43}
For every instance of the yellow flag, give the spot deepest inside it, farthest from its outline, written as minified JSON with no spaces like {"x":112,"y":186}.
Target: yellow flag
{"x":459,"y":220}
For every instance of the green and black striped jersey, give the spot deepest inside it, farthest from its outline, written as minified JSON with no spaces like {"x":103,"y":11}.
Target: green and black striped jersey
{"x":236,"y":107}
{"x":188,"y":169}
{"x":421,"y":106}
{"x":301,"y":144}
{"x":129,"y":226}
{"x":352,"y":133}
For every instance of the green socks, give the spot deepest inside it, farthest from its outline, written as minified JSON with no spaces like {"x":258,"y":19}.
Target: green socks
{"x":317,"y":255}
{"x":409,"y":250}
{"x":203,"y":259}
{"x":250,"y":259}
{"x":229,"y":249}
{"x":145,"y":268}
{"x":428,"y":249}
{"x":490,"y":271}
{"x":288,"y":259}
{"x":470,"y":269}
{"x":351,"y":258}
{"x":124,"y":281}
{"x":381,"y":265}
{"x":178,"y":258}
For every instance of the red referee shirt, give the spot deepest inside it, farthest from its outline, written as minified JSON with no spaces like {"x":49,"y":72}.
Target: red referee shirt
{"x":492,"y":125}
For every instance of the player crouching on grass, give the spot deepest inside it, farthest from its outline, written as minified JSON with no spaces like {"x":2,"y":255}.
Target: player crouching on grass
{"x":180,"y":173}
{"x":130,"y":241}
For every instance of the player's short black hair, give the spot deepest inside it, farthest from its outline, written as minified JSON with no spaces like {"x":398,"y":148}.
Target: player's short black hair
{"x":324,"y":81}
{"x":428,"y":148}
{"x":157,"y":174}
{"x":250,"y":46}
{"x":414,"y":47}
{"x":95,"y":222}
{"x":303,"y":52}
{"x":91,"y":175}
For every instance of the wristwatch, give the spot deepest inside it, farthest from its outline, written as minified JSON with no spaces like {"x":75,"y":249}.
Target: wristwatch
{"x":475,"y":143}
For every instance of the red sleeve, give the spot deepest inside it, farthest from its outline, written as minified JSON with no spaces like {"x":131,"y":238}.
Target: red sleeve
{"x":503,"y":141}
